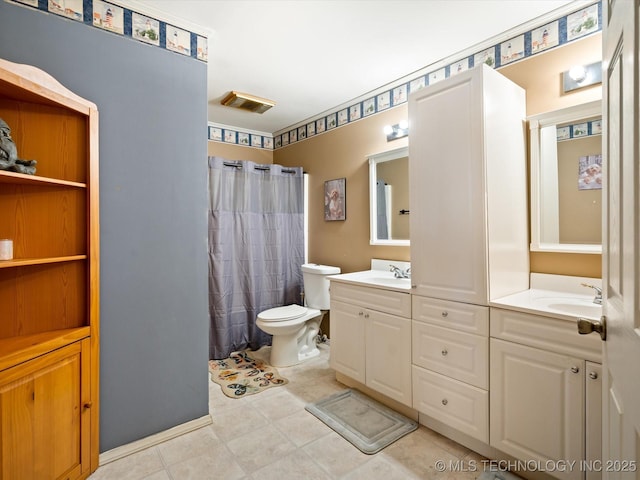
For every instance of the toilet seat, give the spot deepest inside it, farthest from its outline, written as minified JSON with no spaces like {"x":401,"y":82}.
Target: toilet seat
{"x":281,"y":314}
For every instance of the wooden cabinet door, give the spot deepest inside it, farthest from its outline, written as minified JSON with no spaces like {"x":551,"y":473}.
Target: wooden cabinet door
{"x":388,"y":355}
{"x":537,"y":405}
{"x":347,"y":340}
{"x":43,"y":419}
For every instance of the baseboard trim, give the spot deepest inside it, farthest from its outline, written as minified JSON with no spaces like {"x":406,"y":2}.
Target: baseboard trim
{"x":152,"y":440}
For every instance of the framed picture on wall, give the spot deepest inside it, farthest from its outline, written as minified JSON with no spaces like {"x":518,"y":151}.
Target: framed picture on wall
{"x":335,"y":207}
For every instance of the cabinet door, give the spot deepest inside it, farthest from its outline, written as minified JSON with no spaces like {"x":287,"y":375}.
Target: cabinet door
{"x":388,"y":355}
{"x":347,"y":340}
{"x":447,"y":190}
{"x":43,"y":419}
{"x":593,"y":420}
{"x":537,"y":405}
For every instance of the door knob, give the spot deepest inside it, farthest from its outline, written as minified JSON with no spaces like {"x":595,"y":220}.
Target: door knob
{"x":586,"y":326}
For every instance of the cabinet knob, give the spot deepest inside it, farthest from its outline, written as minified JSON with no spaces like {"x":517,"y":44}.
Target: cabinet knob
{"x":445,"y":401}
{"x":593,"y":375}
{"x":575,"y":369}
{"x":445,"y":314}
{"x":444,"y":352}
{"x":414,"y":286}
{"x":87,"y":405}
{"x":361,"y":313}
{"x":366,"y":315}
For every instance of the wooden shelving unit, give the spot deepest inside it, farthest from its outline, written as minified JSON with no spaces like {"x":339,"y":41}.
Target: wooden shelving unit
{"x":49,"y":292}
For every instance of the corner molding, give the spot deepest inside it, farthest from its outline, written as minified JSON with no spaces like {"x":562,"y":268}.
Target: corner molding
{"x":153,"y":440}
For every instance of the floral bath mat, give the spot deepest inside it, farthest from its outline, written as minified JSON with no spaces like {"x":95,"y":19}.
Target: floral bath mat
{"x":240,"y":375}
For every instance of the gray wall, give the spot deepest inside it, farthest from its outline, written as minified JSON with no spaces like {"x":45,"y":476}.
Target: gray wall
{"x":153,"y":194}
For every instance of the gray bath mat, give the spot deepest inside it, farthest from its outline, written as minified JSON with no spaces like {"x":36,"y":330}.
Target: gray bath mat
{"x":367,"y":424}
{"x":498,"y":476}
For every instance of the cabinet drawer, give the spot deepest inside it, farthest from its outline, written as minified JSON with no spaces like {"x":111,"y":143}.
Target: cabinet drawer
{"x":460,"y":316}
{"x":545,"y":332}
{"x":387,"y":301}
{"x":451,"y":402}
{"x":459,"y":355}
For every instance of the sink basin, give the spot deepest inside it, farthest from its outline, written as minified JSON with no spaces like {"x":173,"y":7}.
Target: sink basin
{"x":580,"y":307}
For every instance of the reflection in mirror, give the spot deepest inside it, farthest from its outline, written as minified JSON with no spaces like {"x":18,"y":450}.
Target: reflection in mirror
{"x":566,"y":180}
{"x":389,"y":197}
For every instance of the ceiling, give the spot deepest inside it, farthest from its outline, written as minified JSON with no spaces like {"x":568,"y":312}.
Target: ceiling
{"x":310,"y":56}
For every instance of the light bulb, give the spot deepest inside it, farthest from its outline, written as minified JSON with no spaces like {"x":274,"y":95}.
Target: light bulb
{"x":388,"y":130}
{"x":578,"y":73}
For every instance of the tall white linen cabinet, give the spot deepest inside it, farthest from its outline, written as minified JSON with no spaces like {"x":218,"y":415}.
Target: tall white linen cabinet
{"x":469,"y":236}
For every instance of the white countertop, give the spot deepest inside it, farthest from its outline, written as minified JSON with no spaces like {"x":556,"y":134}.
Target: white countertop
{"x":374,"y":278}
{"x":557,"y":296}
{"x":551,"y":303}
{"x":379,"y":276}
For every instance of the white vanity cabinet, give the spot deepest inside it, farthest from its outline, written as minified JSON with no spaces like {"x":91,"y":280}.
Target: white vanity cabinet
{"x":450,"y":356}
{"x":468,"y":188}
{"x":545,"y":391}
{"x":371,"y":338}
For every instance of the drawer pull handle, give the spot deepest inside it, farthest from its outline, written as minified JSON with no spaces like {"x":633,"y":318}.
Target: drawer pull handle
{"x":360,"y":313}
{"x":366,"y":315}
{"x":575,"y":370}
{"x":445,"y":314}
{"x":593,"y":375}
{"x":444,"y":352}
{"x":445,"y":401}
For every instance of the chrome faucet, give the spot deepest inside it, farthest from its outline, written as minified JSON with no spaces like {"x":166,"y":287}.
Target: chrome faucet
{"x":399,"y":273}
{"x":598,"y":298}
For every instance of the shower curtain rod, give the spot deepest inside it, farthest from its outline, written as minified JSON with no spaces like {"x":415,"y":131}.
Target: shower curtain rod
{"x":257,"y":167}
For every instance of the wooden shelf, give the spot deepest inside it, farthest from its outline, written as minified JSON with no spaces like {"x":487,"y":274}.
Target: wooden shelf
{"x":17,"y":350}
{"x":25,"y":262}
{"x":22,"y":179}
{"x":50,"y":293}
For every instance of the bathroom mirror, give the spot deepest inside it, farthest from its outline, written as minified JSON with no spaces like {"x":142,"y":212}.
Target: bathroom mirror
{"x":566,"y":180}
{"x":389,"y":197}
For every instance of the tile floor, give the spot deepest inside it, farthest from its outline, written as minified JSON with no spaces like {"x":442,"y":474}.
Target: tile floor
{"x":271,"y":436}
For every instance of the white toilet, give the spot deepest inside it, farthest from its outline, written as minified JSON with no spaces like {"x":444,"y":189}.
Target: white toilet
{"x":295,"y":328}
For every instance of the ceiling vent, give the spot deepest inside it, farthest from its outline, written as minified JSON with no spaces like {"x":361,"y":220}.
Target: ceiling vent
{"x":248,"y":102}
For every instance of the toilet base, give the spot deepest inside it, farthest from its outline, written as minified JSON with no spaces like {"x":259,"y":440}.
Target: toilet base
{"x":291,"y":349}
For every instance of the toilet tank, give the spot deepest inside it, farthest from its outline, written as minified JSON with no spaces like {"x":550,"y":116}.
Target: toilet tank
{"x":316,"y":284}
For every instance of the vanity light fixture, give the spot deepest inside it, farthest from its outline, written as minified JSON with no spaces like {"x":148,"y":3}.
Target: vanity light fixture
{"x":244,"y":101}
{"x":581,"y":76}
{"x":399,"y":130}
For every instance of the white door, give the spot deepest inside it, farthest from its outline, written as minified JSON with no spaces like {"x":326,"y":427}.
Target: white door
{"x":347,"y":340}
{"x":388,"y":365}
{"x":446,"y":167}
{"x":527,"y":424}
{"x":621,"y":241}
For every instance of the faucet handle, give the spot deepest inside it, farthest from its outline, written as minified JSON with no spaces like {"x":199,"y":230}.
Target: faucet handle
{"x":597,"y":289}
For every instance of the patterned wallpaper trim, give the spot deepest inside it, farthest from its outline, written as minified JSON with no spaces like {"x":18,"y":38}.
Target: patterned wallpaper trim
{"x":127,"y":23}
{"x":555,"y":33}
{"x":577,"y":130}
